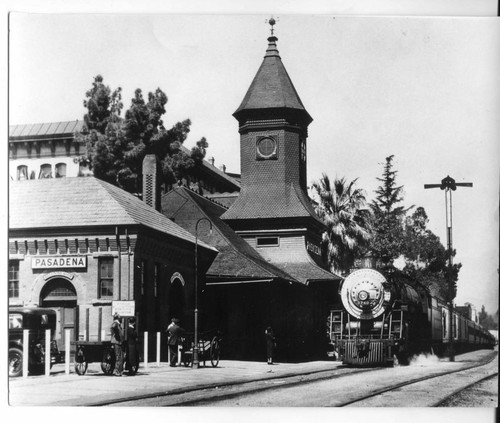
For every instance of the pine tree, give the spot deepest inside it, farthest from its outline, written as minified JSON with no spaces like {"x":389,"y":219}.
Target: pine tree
{"x":388,"y":215}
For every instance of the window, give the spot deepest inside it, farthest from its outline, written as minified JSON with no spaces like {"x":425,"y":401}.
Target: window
{"x":106,"y":277}
{"x":13,"y":278}
{"x":22,"y":173}
{"x":61,"y":170}
{"x":303,"y":151}
{"x":45,"y":171}
{"x":271,"y":241}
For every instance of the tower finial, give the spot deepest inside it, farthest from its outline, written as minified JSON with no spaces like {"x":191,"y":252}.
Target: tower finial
{"x":272,"y":22}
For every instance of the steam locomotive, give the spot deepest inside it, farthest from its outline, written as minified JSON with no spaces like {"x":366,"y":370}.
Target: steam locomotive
{"x":386,"y":319}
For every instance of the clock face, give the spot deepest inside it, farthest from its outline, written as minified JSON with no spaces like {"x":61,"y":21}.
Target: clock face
{"x":266,"y":148}
{"x":303,"y":151}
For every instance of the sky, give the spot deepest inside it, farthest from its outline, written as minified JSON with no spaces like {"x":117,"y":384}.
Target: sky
{"x":424,"y":89}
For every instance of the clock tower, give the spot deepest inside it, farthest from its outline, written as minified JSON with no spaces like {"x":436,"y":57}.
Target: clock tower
{"x":273,"y":211}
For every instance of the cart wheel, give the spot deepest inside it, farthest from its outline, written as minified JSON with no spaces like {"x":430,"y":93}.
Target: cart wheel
{"x":215,"y":351}
{"x":108,"y":361}
{"x":80,"y":363}
{"x":15,"y":362}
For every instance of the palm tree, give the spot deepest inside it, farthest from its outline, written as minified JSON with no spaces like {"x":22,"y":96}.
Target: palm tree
{"x":342,"y":207}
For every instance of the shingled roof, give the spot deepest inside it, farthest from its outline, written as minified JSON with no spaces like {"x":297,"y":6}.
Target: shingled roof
{"x":271,"y":87}
{"x":77,"y":202}
{"x":236,"y":258}
{"x":272,"y":201}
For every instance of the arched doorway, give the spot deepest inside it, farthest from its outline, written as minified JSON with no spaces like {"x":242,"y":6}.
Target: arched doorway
{"x":176,"y":297}
{"x":60,"y":295}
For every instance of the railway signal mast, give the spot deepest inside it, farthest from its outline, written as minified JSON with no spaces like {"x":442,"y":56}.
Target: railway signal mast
{"x":448,"y":184}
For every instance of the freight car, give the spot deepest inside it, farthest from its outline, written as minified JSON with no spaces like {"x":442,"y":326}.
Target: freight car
{"x":385,"y":319}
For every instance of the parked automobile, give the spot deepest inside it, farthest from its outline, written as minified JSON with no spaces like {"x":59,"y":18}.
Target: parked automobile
{"x":36,"y":321}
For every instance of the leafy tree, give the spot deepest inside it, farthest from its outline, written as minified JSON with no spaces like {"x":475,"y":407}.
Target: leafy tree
{"x":426,"y":259}
{"x":342,"y":209}
{"x":116,"y":146}
{"x":487,"y":320}
{"x":388,"y":215}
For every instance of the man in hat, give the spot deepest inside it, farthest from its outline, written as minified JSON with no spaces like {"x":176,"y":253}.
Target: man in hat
{"x":175,"y":334}
{"x":117,"y":340}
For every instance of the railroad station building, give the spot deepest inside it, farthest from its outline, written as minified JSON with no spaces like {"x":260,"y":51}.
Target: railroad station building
{"x":269,"y":271}
{"x":78,"y":244}
{"x":261,"y":265}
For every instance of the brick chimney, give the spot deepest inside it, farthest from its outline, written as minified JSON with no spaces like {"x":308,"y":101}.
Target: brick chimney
{"x":151,"y":177}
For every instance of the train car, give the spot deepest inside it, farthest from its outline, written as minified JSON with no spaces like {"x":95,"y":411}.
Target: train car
{"x":383,"y":320}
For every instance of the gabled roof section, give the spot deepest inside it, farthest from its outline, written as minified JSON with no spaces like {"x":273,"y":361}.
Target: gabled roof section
{"x":271,"y":87}
{"x":77,"y":202}
{"x":236,"y":258}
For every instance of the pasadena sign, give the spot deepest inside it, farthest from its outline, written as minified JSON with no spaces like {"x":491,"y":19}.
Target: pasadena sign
{"x":58,"y":262}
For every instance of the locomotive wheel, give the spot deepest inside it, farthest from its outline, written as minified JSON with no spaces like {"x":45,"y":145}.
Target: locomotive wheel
{"x":108,"y":361}
{"x":214,"y":352}
{"x":15,"y":362}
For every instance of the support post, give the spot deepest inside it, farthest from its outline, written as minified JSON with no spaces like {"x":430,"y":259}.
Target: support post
{"x":47,"y":352}
{"x":146,"y":350}
{"x":26,"y":339}
{"x":67,"y":346}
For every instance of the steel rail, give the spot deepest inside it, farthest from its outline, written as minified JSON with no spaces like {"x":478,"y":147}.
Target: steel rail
{"x":414,"y":381}
{"x":464,"y":388}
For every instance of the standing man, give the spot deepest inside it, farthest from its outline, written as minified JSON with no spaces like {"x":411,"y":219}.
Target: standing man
{"x":174,"y":340}
{"x":270,"y":344}
{"x":117,"y":340}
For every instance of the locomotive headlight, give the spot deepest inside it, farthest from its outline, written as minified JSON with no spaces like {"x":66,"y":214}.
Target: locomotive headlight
{"x":363,"y":295}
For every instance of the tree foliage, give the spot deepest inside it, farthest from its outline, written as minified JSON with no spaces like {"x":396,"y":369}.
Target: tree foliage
{"x":426,"y":259}
{"x":116,"y":146}
{"x":397,"y":236}
{"x":341,"y":206}
{"x":387,"y":217}
{"x":488,"y":321}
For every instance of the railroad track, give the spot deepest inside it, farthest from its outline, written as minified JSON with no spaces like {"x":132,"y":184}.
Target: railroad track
{"x":212,"y":394}
{"x":396,"y":387}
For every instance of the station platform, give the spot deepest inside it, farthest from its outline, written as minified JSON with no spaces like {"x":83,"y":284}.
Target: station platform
{"x":95,"y":388}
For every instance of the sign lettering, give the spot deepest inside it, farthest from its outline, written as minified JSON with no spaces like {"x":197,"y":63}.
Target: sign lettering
{"x":313,"y":248}
{"x":58,"y":262}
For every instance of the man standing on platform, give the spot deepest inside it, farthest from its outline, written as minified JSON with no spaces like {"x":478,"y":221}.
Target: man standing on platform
{"x":174,"y":340}
{"x":117,"y":340}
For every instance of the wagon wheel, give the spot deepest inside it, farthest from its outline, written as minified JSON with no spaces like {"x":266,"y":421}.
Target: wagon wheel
{"x":15,"y":362}
{"x":108,"y":361}
{"x":80,"y":362}
{"x":215,"y":351}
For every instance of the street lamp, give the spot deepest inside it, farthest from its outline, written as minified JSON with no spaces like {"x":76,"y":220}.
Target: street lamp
{"x":196,"y":363}
{"x":448,"y":184}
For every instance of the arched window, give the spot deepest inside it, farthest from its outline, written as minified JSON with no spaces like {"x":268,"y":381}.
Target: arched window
{"x":45,"y":171}
{"x":60,"y":170}
{"x":22,"y":173}
{"x":58,"y":289}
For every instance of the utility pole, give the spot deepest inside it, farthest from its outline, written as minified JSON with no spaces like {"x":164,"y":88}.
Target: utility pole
{"x":448,"y":184}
